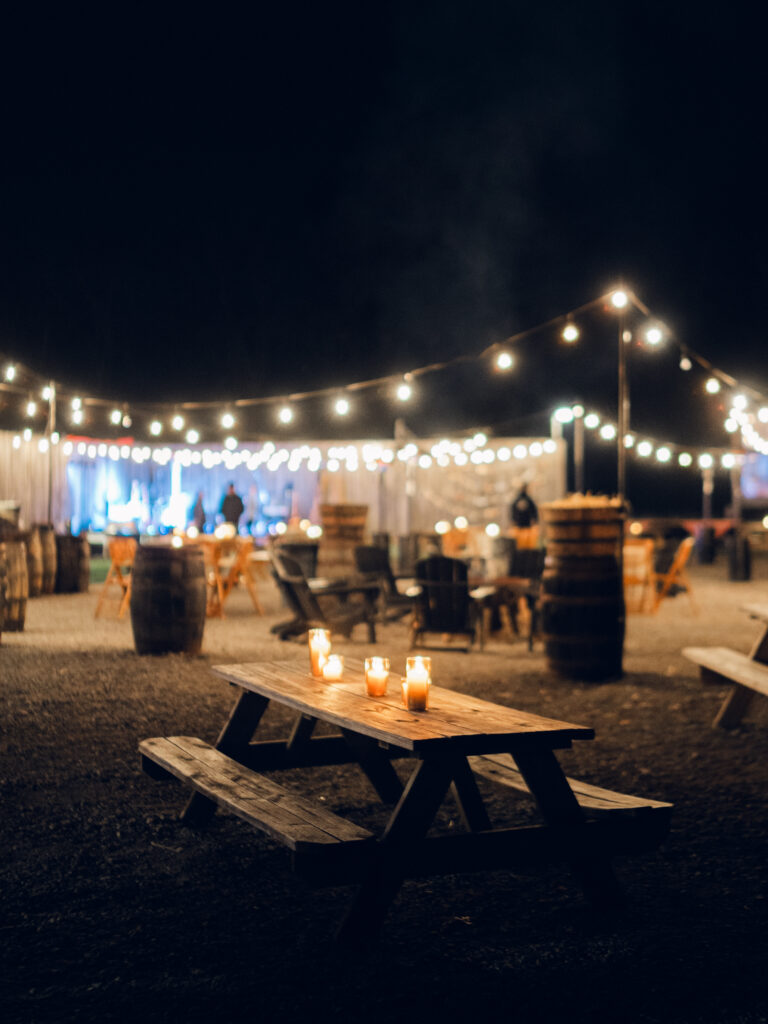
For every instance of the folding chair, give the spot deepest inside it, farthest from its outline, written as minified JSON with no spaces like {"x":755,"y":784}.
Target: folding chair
{"x":675,"y":576}
{"x":122,"y":551}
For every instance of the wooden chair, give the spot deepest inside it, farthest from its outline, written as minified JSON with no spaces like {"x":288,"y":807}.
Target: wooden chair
{"x":336,"y":612}
{"x":675,"y":576}
{"x":638,"y":574}
{"x":122,"y":551}
{"x":443,"y":603}
{"x":372,"y":563}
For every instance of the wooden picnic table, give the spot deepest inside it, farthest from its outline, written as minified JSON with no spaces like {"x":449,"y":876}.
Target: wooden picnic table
{"x":747,"y":673}
{"x":458,"y":739}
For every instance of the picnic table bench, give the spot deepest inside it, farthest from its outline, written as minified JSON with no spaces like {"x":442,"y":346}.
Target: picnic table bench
{"x":747,"y":672}
{"x":457,"y":740}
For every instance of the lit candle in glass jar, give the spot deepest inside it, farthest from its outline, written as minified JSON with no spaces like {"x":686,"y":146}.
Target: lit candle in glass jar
{"x":319,"y":649}
{"x":333,"y":668}
{"x":376,"y":676}
{"x":418,"y":671}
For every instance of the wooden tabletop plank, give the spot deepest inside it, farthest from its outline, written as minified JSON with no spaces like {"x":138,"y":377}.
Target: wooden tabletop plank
{"x":453,"y":719}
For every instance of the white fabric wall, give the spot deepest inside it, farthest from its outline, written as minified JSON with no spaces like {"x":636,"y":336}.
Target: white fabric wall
{"x":25,"y":476}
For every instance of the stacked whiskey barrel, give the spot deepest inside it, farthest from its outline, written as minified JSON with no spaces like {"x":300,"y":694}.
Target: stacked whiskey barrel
{"x":343,"y":530}
{"x":582,"y":599}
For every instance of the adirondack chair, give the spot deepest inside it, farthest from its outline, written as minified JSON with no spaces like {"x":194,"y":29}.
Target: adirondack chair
{"x":372,"y":563}
{"x":336,"y":612}
{"x":675,"y":576}
{"x":443,"y":603}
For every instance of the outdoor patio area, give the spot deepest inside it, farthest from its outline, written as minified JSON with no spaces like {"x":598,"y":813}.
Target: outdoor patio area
{"x":115,"y":910}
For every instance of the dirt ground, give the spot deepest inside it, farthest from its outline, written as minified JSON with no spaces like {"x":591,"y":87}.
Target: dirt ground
{"x":114,"y":911}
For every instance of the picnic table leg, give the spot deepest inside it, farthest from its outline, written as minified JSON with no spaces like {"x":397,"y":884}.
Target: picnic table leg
{"x":410,"y":820}
{"x":559,"y":807}
{"x":232,"y":741}
{"x":467,"y":796}
{"x":734,"y":707}
{"x":376,"y":765}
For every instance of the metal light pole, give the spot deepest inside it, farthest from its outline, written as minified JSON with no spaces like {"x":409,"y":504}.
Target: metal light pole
{"x":623,"y":413}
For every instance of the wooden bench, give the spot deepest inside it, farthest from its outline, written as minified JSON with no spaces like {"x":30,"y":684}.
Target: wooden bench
{"x":721,"y":664}
{"x":314,"y":835}
{"x":652,"y":816}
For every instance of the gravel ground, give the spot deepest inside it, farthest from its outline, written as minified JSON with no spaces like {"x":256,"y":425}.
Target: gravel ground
{"x":113,"y":911}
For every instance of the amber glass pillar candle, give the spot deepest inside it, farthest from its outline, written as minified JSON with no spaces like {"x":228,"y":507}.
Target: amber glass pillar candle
{"x":319,"y":649}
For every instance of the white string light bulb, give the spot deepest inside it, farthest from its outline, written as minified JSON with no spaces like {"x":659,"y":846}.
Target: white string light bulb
{"x":341,"y":406}
{"x":227,"y":421}
{"x":653,"y":336}
{"x":177,"y":422}
{"x":505,"y":361}
{"x":10,"y":373}
{"x":619,"y":300}
{"x":155,"y":428}
{"x":115,"y":416}
{"x":31,"y":408}
{"x":285,"y":415}
{"x":570,"y":333}
{"x":712,"y":386}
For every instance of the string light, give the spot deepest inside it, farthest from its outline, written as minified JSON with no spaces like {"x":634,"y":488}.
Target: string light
{"x":685,"y":458}
{"x":116,"y":416}
{"x":341,"y":407}
{"x":570,"y":333}
{"x":654,"y":336}
{"x":712,"y":385}
{"x":608,"y":432}
{"x":10,"y":373}
{"x":685,"y":363}
{"x":285,"y":414}
{"x":77,"y":403}
{"x":177,"y":422}
{"x":591,"y":421}
{"x":404,"y":391}
{"x":47,"y":393}
{"x":663,"y":454}
{"x":706,"y":461}
{"x":192,"y":437}
{"x":155,"y":428}
{"x":644,"y":449}
{"x":619,"y":300}
{"x":77,"y":416}
{"x":31,"y":408}
{"x":227,"y":421}
{"x":505,"y":361}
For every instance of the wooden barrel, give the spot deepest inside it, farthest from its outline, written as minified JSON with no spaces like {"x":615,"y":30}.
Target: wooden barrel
{"x":48,"y":542}
{"x":73,"y":564}
{"x":14,"y":556}
{"x":168,"y":600}
{"x":582,"y":598}
{"x":34,"y":562}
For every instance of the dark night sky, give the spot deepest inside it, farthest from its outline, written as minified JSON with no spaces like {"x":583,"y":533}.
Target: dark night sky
{"x":221,"y":205}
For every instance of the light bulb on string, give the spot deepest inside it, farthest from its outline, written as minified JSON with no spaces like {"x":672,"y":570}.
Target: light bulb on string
{"x":10,"y":373}
{"x":227,"y":420}
{"x":505,"y":360}
{"x":685,"y":363}
{"x":404,"y":391}
{"x":77,"y":416}
{"x":762,"y":414}
{"x":663,"y":454}
{"x":570,"y":333}
{"x":192,"y":437}
{"x":731,"y":425}
{"x":341,"y":407}
{"x":285,"y":414}
{"x":706,"y":461}
{"x":654,"y":336}
{"x":177,"y":422}
{"x":685,"y":458}
{"x":47,"y":393}
{"x":739,"y":402}
{"x":155,"y":428}
{"x":619,"y":299}
{"x":115,"y":417}
{"x":31,"y":408}
{"x":712,"y":386}
{"x":77,"y":403}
